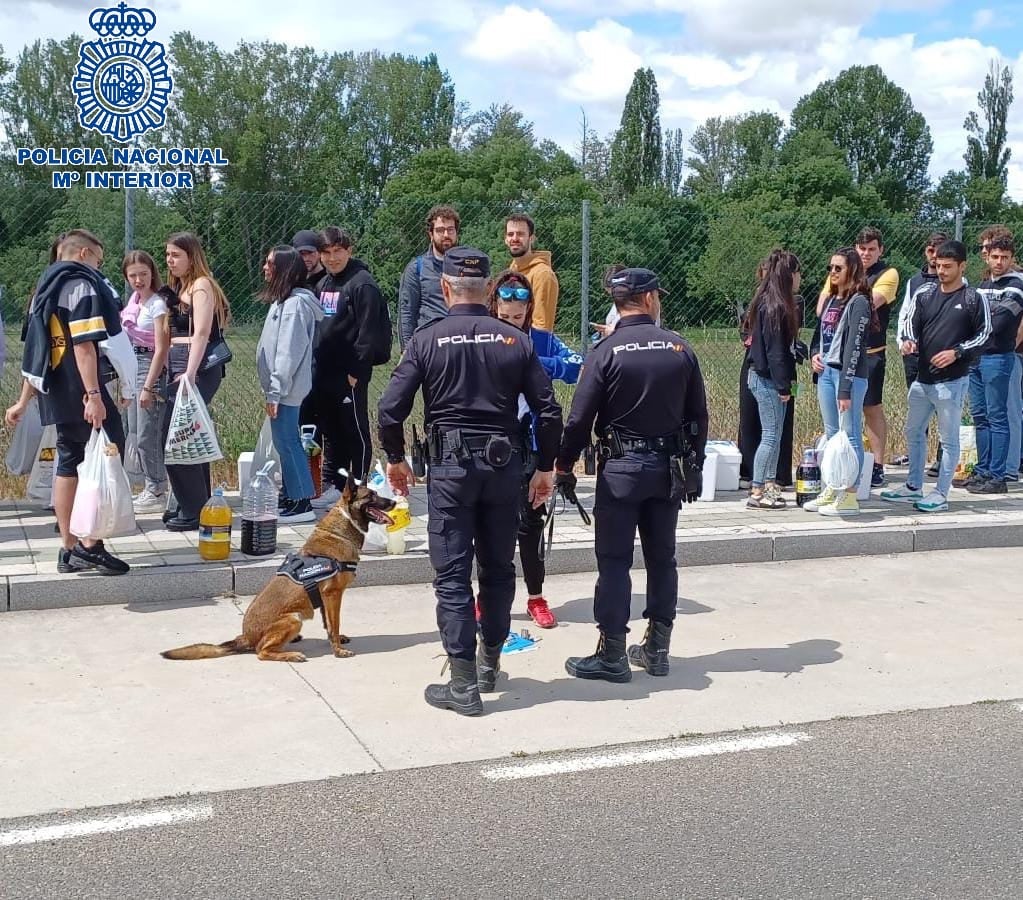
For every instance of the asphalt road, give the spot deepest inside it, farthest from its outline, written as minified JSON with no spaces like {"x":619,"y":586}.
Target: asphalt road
{"x":923,"y":804}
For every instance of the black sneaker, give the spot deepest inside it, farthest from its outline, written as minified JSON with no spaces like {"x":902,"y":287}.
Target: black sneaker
{"x":933,"y":470}
{"x":296,"y":511}
{"x":992,"y":486}
{"x":179,"y":524}
{"x":64,"y":565}
{"x":877,"y":478}
{"x":81,"y":557}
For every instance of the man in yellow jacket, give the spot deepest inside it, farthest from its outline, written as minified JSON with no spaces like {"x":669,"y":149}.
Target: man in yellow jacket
{"x":519,"y":237}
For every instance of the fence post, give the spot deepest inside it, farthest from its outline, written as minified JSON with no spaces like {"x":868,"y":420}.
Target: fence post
{"x":584,"y":290}
{"x":129,"y":228}
{"x":959,"y":224}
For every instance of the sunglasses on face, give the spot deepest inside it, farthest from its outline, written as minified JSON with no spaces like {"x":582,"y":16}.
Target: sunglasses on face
{"x":513,"y":293}
{"x":836,"y":268}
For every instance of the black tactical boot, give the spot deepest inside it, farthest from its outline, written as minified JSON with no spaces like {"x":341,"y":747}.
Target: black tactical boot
{"x":488,"y":665}
{"x":608,"y":663}
{"x":652,"y":654}
{"x":462,"y":694}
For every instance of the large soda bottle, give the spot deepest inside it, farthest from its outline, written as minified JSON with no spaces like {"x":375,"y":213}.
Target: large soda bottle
{"x":808,"y":477}
{"x":215,"y":528}
{"x":259,"y":514}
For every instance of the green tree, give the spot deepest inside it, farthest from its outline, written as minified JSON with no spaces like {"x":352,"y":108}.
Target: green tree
{"x":674,"y":161}
{"x":886,"y":142}
{"x":987,"y":154}
{"x":636,"y":156}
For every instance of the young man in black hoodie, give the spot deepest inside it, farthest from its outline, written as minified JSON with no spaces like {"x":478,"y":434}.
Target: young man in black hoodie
{"x":353,"y":337}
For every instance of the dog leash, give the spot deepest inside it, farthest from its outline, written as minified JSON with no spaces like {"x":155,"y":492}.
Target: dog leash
{"x":567,"y":495}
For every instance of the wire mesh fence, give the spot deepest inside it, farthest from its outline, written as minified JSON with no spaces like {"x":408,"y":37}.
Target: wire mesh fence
{"x":705,"y":257}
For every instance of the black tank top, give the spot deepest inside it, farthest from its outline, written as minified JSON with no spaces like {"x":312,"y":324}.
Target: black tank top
{"x":179,"y":319}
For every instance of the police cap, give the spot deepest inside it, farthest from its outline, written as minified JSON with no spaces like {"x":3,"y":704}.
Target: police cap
{"x":629,"y":282}
{"x":466,"y":262}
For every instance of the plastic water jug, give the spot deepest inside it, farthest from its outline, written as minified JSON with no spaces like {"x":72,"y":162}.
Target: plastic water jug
{"x":259,"y":514}
{"x":215,"y":528}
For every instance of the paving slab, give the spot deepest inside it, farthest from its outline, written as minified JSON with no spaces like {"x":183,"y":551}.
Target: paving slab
{"x":94,"y":716}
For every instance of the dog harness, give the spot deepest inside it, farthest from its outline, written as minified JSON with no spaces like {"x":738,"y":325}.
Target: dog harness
{"x":309,"y":571}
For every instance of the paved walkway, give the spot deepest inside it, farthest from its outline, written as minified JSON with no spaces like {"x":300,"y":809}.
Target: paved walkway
{"x":166,"y":565}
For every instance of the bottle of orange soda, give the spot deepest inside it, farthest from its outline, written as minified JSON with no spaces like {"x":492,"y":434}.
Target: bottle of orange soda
{"x":215,"y":528}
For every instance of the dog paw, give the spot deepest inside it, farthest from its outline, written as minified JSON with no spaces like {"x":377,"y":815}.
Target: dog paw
{"x":343,"y":638}
{"x":341,"y":653}
{"x":296,"y":657}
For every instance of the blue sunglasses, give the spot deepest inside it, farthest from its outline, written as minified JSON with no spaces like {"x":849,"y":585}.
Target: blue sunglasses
{"x":513,"y":293}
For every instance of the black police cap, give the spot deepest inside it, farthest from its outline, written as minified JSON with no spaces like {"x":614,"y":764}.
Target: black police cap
{"x":629,"y":282}
{"x":466,"y":262}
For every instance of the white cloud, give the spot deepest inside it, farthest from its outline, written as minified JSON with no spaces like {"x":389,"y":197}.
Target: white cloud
{"x":982,"y":19}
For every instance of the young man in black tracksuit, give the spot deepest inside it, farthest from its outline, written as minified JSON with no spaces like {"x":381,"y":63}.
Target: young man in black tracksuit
{"x":352,"y":337}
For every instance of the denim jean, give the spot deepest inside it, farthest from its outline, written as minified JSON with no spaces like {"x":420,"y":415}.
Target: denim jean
{"x":772,"y":420}
{"x":852,"y":421}
{"x":989,"y":406}
{"x":1014,"y":461}
{"x":945,"y":399}
{"x":147,"y":426}
{"x":298,"y":481}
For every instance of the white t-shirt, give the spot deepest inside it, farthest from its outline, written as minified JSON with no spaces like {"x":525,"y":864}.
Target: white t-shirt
{"x":150,"y":311}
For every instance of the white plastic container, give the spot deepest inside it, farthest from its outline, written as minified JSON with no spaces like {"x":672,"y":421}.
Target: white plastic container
{"x":863,"y":488}
{"x":710,"y":473}
{"x":245,"y":473}
{"x":729,"y":460}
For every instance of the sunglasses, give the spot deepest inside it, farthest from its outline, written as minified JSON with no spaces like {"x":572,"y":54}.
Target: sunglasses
{"x":836,"y":268}
{"x":513,"y":293}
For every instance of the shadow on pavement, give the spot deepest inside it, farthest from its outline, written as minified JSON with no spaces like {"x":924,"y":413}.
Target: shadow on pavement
{"x":316,"y":646}
{"x":150,"y":606}
{"x":687,"y":674}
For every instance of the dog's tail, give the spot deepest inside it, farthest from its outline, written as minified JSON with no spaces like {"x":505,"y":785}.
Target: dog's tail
{"x":209,"y":651}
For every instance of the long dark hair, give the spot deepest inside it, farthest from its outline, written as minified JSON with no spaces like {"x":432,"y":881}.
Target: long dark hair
{"x":855,"y":283}
{"x":515,"y":279}
{"x":198,"y":267}
{"x":289,"y":273}
{"x":774,"y":301}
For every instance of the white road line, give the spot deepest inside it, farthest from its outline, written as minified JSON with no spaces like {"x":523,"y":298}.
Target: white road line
{"x":765,"y":741}
{"x":169,"y":816}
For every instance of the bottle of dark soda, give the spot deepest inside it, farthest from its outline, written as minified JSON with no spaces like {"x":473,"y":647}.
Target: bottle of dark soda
{"x":808,"y":477}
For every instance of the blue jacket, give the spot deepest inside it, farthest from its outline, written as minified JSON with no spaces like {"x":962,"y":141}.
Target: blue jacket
{"x":560,"y":362}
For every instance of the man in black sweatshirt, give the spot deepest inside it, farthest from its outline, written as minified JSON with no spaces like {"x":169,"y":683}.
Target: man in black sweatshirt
{"x":947,"y":324}
{"x":991,"y":375}
{"x":353,"y":336}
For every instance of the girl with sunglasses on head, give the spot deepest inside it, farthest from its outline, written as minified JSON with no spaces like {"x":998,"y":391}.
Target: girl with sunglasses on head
{"x":511,"y":300}
{"x":838,"y":354}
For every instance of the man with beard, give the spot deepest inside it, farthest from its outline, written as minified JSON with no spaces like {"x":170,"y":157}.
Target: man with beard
{"x":419,"y":295}
{"x":309,"y":244}
{"x":519,"y":238}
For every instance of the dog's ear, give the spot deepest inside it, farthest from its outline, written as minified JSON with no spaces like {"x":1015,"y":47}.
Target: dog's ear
{"x":349,"y":489}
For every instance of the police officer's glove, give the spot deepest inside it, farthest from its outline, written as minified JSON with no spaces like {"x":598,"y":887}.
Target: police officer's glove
{"x":566,"y":483}
{"x":694,"y":484}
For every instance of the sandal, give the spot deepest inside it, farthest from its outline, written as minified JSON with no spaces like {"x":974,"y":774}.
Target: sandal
{"x":769,"y":499}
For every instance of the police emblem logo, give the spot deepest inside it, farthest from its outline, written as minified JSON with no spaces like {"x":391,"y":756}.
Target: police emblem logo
{"x":122,"y":82}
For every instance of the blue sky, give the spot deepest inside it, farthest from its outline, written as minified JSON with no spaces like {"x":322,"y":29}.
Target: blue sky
{"x":554,"y":59}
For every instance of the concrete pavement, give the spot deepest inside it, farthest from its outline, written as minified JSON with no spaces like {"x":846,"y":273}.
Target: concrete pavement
{"x":93,"y":716}
{"x":166,"y":566}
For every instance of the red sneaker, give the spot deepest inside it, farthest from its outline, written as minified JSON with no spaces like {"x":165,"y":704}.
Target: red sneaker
{"x":540,"y":613}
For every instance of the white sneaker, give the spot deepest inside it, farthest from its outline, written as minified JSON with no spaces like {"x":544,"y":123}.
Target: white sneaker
{"x":327,"y":499}
{"x":147,"y":501}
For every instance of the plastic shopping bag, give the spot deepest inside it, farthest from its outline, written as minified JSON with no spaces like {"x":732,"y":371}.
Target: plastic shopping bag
{"x":839,"y":465}
{"x":266,"y":452}
{"x":102,"y":507}
{"x":28,"y":434}
{"x":376,"y":536}
{"x":132,"y":461}
{"x":191,"y":439}
{"x":40,"y":480}
{"x":967,"y":445}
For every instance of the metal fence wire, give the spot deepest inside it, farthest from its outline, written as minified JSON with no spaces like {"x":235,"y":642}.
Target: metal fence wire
{"x":705,"y":259}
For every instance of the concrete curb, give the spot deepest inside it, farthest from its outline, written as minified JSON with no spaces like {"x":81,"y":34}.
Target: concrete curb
{"x":203,"y":581}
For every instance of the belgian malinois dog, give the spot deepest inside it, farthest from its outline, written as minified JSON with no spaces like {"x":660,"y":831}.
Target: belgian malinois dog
{"x":274,"y":618}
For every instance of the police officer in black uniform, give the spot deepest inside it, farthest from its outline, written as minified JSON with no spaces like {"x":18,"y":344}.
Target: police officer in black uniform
{"x":472,"y":369}
{"x":643,"y":386}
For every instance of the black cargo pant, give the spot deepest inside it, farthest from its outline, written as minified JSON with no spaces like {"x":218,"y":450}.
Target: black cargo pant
{"x":633,"y":493}
{"x":473,"y":511}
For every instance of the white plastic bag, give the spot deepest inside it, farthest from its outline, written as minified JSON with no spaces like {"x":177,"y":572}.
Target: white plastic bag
{"x":839,"y":466}
{"x":191,"y":439}
{"x":102,"y":507}
{"x":967,"y":445}
{"x":40,"y":480}
{"x":376,"y":536}
{"x":132,"y":460}
{"x":265,"y":452}
{"x":28,"y":434}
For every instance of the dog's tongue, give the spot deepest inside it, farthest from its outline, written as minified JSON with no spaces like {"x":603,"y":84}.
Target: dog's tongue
{"x":380,"y":517}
